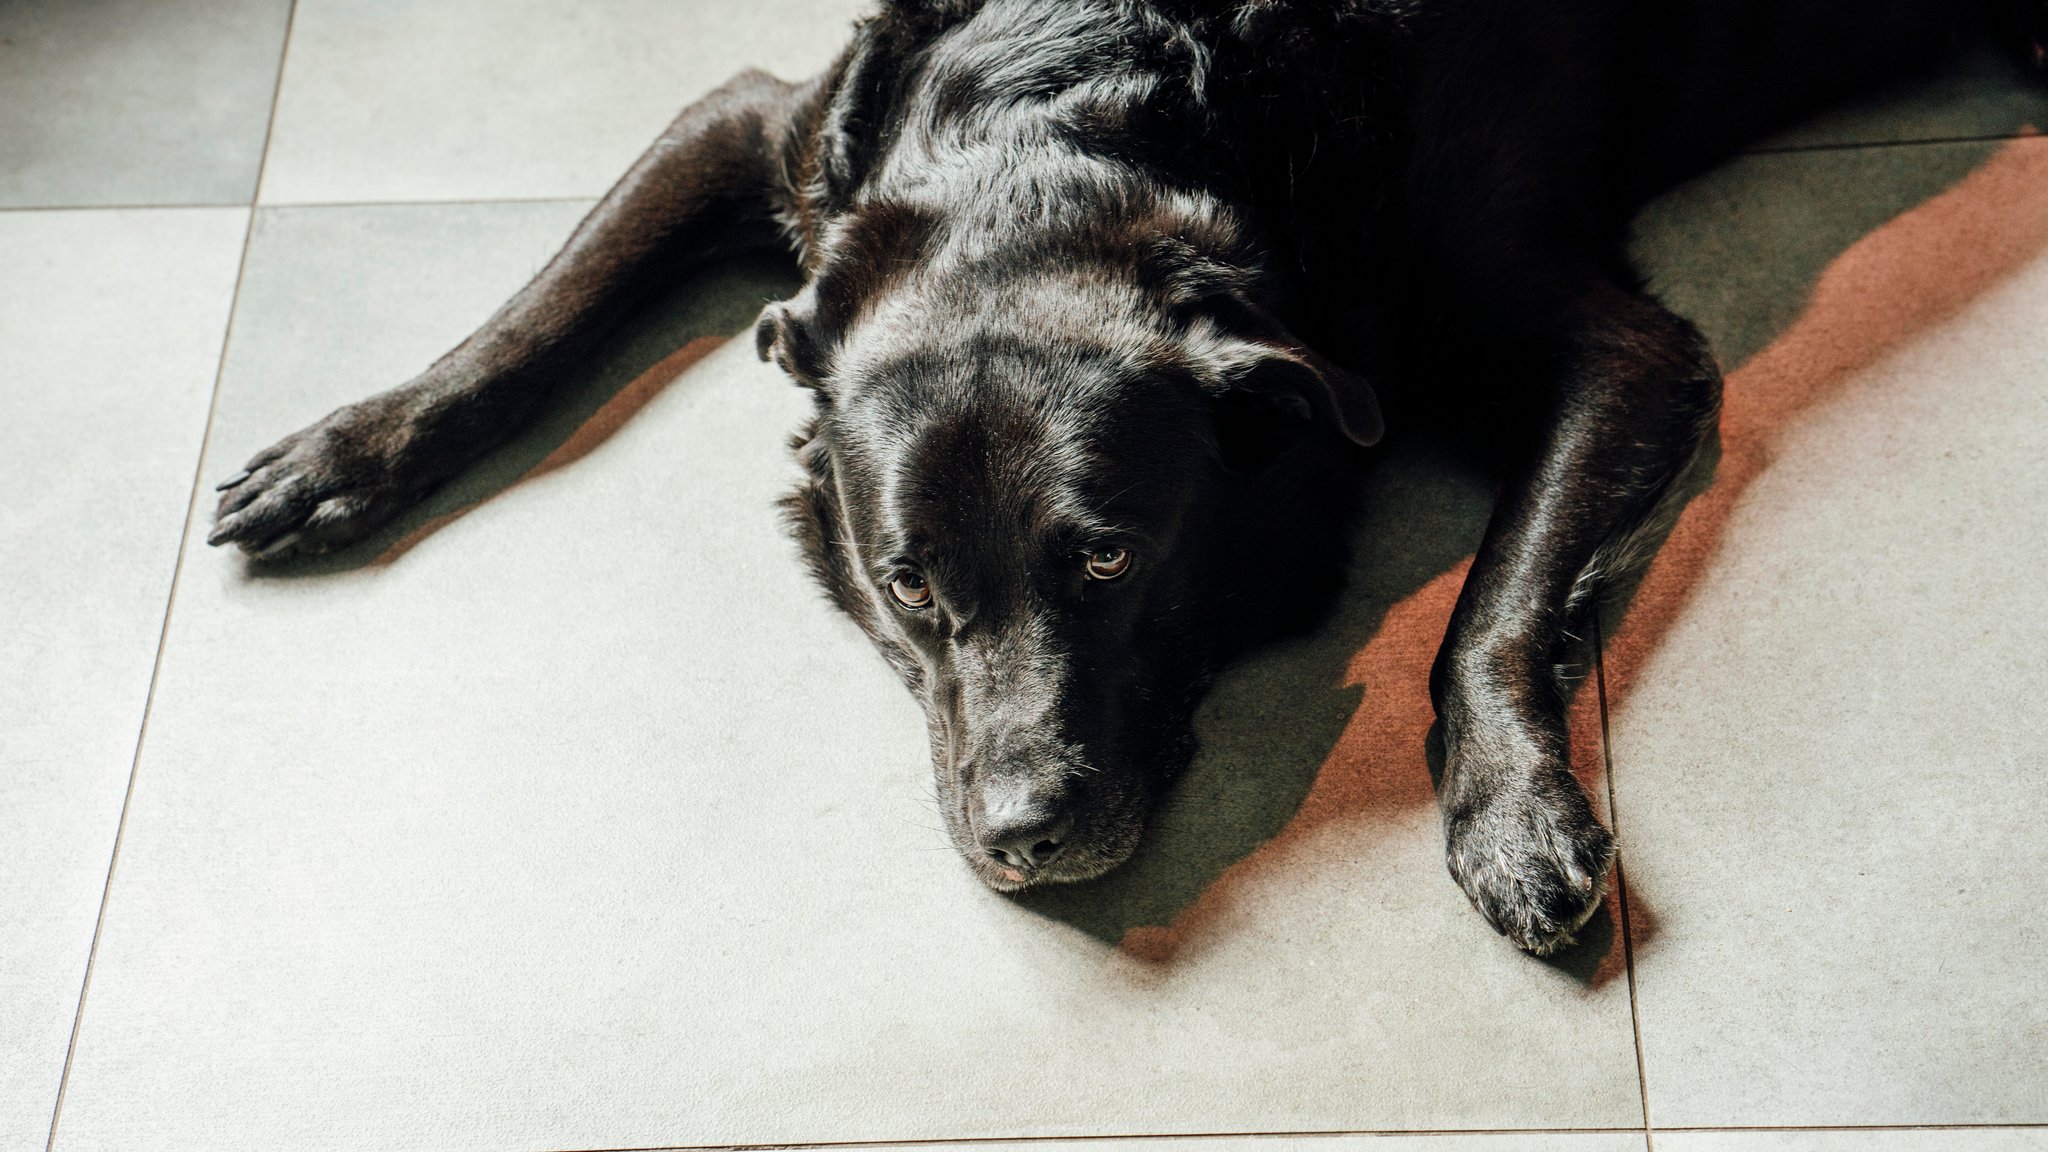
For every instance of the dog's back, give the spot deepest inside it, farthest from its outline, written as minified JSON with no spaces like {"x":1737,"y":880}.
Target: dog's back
{"x":1594,"y":102}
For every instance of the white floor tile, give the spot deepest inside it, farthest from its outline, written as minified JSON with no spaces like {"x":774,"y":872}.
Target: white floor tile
{"x":136,"y":101}
{"x":1828,"y":728}
{"x":110,"y":331}
{"x":489,"y":99}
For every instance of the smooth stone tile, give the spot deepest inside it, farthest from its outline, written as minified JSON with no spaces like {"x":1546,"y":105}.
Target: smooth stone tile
{"x":110,"y":331}
{"x":136,"y":101}
{"x":536,"y":831}
{"x":489,"y":99}
{"x":1980,"y":91}
{"x":1860,"y":1140}
{"x":1826,"y":700}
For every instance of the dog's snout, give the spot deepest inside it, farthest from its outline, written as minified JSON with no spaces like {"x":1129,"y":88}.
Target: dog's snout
{"x":1023,"y":825}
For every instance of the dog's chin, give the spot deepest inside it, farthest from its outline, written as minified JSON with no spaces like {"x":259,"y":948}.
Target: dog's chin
{"x":1010,"y":881}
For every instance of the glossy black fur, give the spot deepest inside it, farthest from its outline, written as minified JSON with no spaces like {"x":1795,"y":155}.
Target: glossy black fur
{"x":1146,"y":277}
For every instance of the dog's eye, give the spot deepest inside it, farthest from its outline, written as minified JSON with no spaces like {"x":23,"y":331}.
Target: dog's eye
{"x":911,"y":591}
{"x":1107,"y":563}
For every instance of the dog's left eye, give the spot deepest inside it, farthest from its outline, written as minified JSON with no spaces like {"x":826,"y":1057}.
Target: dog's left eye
{"x":911,"y":591}
{"x":1107,"y":563}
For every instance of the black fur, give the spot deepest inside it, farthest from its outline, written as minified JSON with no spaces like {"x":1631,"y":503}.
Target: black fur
{"x":1138,"y":281}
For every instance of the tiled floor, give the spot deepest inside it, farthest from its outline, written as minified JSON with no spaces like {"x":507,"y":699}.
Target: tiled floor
{"x":520,"y":830}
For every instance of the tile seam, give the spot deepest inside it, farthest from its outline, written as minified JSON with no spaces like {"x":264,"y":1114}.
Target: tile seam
{"x":2010,"y":1126}
{"x":1628,"y":950}
{"x":170,"y":601}
{"x":944,"y":1142}
{"x":189,"y":205}
{"x":1330,"y":1133}
{"x":1851,"y":146}
{"x":423,"y":202}
{"x":430,"y":202}
{"x":27,"y":209}
{"x":427,"y":202}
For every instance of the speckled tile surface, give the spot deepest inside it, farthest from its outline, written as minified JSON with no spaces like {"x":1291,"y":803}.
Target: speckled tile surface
{"x":536,"y":832}
{"x":110,"y":331}
{"x":528,"y":825}
{"x":494,"y":99}
{"x":135,"y":102}
{"x":1827,"y":717}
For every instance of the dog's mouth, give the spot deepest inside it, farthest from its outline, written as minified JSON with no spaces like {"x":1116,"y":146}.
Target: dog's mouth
{"x":1100,"y":842}
{"x":1074,"y":868}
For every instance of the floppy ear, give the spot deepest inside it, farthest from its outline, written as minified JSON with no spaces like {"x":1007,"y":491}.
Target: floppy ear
{"x":858,"y":259}
{"x":1303,"y":382}
{"x":787,"y":334}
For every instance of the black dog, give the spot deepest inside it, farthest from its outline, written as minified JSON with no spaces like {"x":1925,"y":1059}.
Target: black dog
{"x":1105,"y":297}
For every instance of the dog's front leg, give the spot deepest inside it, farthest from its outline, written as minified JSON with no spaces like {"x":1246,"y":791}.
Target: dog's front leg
{"x":709,"y":185}
{"x":1635,"y":392}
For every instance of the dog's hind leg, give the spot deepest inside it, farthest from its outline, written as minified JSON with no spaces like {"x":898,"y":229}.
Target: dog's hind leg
{"x":1634,"y":393}
{"x":713,"y":183}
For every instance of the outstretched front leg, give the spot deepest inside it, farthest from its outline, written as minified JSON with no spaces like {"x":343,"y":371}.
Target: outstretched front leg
{"x":712,"y":184}
{"x":1635,"y":392}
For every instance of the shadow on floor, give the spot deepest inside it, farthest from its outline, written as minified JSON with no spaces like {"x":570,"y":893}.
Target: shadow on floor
{"x":1801,"y":268}
{"x":1960,"y":220}
{"x":651,"y":350}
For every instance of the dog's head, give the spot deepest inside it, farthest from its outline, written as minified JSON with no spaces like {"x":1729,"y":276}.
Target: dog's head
{"x":1058,"y":499}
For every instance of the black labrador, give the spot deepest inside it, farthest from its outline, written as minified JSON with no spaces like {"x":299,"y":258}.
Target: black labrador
{"x":1104,"y":299}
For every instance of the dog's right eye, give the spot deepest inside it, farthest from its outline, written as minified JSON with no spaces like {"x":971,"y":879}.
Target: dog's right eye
{"x":911,"y":591}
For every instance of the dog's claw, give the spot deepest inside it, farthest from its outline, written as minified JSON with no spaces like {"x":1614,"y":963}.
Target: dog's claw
{"x":318,"y":489}
{"x":278,"y":546}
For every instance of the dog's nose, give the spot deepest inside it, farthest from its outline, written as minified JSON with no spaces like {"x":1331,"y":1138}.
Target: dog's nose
{"x":1024,"y":828}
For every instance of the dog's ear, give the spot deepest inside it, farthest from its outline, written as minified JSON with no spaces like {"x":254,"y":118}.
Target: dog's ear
{"x":1302,"y":382}
{"x":1245,"y":347}
{"x":858,"y":259}
{"x":787,"y":333}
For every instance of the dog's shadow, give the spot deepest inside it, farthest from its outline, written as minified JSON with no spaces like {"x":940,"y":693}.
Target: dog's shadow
{"x":1275,"y":731}
{"x":1798,"y":284}
{"x":651,"y":349}
{"x":1335,"y":727}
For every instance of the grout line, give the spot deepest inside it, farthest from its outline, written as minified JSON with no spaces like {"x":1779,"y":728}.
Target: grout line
{"x":460,"y":200}
{"x":29,"y":208}
{"x":266,"y":205}
{"x":170,"y":601}
{"x":1851,"y":146}
{"x":971,"y":1141}
{"x":2021,"y":1126}
{"x":284,"y":55}
{"x":1320,"y":1134}
{"x":1628,"y":947}
{"x":260,"y":202}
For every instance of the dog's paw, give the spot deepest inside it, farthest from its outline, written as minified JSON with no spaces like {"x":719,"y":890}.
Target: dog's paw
{"x":318,"y":489}
{"x":1533,"y":859}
